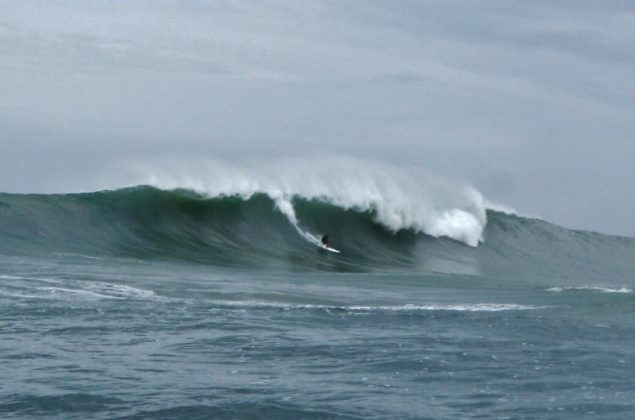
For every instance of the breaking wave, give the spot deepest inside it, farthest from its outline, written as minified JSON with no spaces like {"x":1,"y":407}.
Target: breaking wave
{"x":397,"y":199}
{"x":379,"y":220}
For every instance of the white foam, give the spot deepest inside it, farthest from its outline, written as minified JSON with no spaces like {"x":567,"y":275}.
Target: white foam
{"x":10,"y":277}
{"x":400,"y":198}
{"x":591,"y":288}
{"x":82,"y":292}
{"x":104,"y":291}
{"x":121,"y":291}
{"x":92,"y":289}
{"x":38,"y":279}
{"x":71,"y":254}
{"x":466,"y":307}
{"x":477,"y":307}
{"x":17,"y":295}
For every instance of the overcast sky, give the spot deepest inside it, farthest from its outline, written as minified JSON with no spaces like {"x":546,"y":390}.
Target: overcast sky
{"x":531,"y":102}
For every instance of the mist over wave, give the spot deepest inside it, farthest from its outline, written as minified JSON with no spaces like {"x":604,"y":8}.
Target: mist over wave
{"x":398,"y":199}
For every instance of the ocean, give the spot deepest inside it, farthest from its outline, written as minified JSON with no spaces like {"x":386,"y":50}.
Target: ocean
{"x":144,"y":302}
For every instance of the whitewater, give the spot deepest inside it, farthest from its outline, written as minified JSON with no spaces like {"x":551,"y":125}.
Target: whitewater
{"x":186,"y":290}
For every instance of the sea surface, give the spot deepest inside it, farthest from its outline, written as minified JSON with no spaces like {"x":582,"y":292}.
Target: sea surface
{"x":146,"y":303}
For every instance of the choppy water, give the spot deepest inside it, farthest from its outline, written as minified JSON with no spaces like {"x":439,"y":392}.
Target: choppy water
{"x":119,"y":309}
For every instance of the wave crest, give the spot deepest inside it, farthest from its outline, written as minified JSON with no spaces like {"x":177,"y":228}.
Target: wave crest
{"x":399,"y":199}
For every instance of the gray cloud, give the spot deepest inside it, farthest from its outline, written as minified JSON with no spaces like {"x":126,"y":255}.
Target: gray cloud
{"x":531,"y":102}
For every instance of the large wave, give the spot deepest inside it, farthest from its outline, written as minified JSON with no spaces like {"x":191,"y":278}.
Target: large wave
{"x":252,"y":231}
{"x":397,"y":198}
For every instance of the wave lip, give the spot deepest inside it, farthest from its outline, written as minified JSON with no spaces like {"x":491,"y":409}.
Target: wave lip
{"x":397,"y":199}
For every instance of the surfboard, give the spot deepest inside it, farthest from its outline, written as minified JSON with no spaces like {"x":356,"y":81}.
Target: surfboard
{"x":328,"y":248}
{"x":315,"y":240}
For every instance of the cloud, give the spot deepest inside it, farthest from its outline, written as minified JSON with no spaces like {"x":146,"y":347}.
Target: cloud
{"x":541,"y":92}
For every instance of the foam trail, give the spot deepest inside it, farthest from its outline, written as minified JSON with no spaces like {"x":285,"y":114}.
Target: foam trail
{"x":284,"y":205}
{"x":590,"y":289}
{"x":399,"y":199}
{"x":473,"y":307}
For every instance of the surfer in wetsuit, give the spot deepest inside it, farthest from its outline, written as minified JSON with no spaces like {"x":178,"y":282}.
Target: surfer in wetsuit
{"x":325,"y":240}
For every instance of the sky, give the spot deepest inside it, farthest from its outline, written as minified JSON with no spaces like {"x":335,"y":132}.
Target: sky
{"x":530,"y":102}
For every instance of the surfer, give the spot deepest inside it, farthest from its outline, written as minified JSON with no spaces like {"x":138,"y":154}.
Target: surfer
{"x":325,"y":240}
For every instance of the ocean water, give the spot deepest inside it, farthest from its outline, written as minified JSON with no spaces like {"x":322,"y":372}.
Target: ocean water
{"x":147,"y":303}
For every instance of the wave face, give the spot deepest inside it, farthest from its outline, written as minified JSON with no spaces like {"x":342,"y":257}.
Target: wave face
{"x":398,"y":198}
{"x":259,"y":231}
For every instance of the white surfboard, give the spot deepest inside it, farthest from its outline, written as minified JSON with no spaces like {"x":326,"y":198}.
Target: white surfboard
{"x":328,"y":248}
{"x":315,"y":240}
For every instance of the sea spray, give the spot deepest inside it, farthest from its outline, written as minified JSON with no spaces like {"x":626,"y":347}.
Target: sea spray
{"x":398,"y":198}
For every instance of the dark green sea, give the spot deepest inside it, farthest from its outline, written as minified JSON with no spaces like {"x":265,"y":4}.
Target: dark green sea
{"x":146,"y":303}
